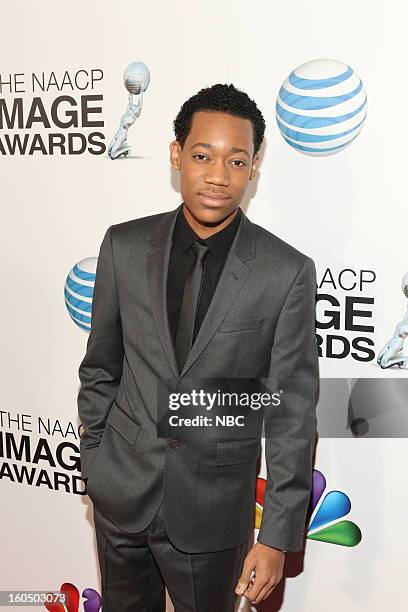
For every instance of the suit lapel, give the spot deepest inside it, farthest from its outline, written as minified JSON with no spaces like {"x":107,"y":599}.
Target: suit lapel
{"x":157,"y":267}
{"x":233,"y":276}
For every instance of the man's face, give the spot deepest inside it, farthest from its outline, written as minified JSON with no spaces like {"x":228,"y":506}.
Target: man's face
{"x":215,"y":165}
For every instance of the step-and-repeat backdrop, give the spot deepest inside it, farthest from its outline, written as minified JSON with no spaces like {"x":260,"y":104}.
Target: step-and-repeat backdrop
{"x":329,"y":81}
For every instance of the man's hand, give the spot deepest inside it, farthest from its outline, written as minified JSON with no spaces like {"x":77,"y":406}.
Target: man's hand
{"x":268,"y":565}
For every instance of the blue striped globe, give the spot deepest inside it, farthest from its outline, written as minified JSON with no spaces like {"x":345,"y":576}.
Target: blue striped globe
{"x":321,"y":107}
{"x":78,"y":292}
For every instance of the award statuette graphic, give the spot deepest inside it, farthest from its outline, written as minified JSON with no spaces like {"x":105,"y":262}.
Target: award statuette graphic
{"x":392,"y":353}
{"x":136,"y":79}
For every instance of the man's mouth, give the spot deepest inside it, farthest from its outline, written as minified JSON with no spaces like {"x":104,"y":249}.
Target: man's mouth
{"x":212,"y":198}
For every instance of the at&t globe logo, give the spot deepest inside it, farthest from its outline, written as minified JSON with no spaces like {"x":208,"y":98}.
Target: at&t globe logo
{"x":78,"y":292}
{"x":321,"y":107}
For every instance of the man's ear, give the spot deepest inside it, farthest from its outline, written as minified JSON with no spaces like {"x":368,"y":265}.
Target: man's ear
{"x":254,"y":166}
{"x":175,"y":154}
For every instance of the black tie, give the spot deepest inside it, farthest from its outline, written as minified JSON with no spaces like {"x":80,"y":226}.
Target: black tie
{"x":189,"y":303}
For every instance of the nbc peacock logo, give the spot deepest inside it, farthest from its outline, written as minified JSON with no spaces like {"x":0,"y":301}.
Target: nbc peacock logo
{"x":92,"y":600}
{"x":324,"y":513}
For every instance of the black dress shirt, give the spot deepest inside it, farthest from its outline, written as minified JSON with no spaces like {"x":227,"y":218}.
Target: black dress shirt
{"x":181,"y":260}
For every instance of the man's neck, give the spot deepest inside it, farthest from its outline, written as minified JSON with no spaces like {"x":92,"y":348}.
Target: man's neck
{"x":205,"y":231}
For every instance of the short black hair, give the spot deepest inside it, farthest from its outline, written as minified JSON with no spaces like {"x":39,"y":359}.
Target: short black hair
{"x":225,"y":99}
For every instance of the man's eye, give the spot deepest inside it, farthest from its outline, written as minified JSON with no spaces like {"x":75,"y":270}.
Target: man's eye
{"x":201,"y":156}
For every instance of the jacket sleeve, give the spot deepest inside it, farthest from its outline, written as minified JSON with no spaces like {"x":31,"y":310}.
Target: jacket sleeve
{"x":290,"y":429}
{"x":101,"y":369}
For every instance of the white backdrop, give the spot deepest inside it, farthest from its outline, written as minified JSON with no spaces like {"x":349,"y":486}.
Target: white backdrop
{"x":347,"y":211}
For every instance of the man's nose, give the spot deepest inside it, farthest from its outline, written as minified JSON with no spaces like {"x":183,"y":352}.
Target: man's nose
{"x":218,"y":174}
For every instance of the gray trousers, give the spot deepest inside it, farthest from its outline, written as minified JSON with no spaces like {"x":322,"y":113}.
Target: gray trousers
{"x":136,"y":568}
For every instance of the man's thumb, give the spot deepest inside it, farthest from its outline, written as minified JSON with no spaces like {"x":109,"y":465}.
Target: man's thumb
{"x":243,"y":581}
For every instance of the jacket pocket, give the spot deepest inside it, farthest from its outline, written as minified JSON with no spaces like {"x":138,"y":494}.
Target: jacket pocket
{"x":242,"y":325}
{"x":88,"y":456}
{"x":238,"y":451}
{"x":123,"y":424}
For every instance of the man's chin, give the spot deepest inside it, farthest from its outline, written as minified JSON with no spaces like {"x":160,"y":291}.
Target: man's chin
{"x":207,"y":215}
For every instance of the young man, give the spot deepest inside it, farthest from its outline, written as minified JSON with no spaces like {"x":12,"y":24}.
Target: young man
{"x":198,"y":292}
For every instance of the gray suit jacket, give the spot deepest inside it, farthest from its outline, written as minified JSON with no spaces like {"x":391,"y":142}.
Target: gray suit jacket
{"x":260,"y":324}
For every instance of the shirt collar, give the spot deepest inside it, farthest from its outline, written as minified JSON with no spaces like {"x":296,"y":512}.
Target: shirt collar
{"x":219,"y":243}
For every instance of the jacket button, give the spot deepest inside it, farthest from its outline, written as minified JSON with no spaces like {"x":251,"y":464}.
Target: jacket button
{"x":176,"y":443}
